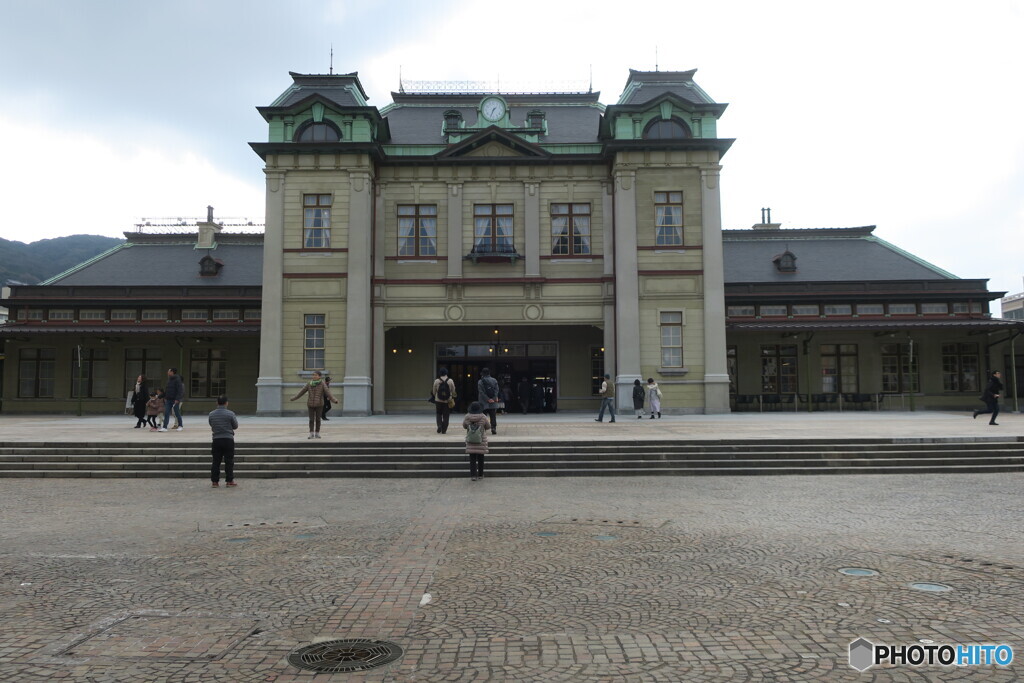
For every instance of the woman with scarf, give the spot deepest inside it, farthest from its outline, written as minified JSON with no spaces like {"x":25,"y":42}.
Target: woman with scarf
{"x":317,"y":392}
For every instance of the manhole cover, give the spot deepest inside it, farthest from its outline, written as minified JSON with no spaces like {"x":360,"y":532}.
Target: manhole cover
{"x":546,"y":533}
{"x":605,"y":538}
{"x":347,"y":654}
{"x":933,"y":587}
{"x":858,"y":571}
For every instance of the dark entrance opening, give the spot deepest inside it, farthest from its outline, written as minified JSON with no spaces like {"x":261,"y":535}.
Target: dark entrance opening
{"x":540,"y":373}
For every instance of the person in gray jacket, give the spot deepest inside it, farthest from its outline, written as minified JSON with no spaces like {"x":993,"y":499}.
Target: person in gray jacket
{"x":223,"y":422}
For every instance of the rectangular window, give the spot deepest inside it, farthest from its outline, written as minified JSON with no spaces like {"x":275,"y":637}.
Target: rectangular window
{"x":417,"y":230}
{"x":805,"y":309}
{"x":253,"y":314}
{"x":976,"y":307}
{"x":62,"y":314}
{"x":778,"y":369}
{"x":870,"y":309}
{"x":36,"y":370}
{"x":314,"y":341}
{"x":596,"y":369}
{"x":839,"y":368}
{"x":570,"y":229}
{"x":92,"y":314}
{"x":122,"y":315}
{"x":33,"y":314}
{"x":899,"y":368}
{"x":668,"y":219}
{"x":143,"y":361}
{"x":740,"y":311}
{"x":226,"y":314}
{"x":194,"y":314}
{"x":208,"y":373}
{"x":88,"y":373}
{"x":902,"y":309}
{"x":316,"y":221}
{"x":672,"y":339}
{"x":492,"y":229}
{"x":773,"y":310}
{"x":154,"y":314}
{"x":838,"y":309}
{"x":935,"y":308}
{"x":961,"y":307}
{"x":960,"y":367}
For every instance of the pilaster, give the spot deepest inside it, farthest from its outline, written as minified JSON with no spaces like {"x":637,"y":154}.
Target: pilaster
{"x":269,"y":384}
{"x":357,"y":383}
{"x":627,"y":287}
{"x":531,"y":196}
{"x":455,"y":247}
{"x":716,"y":370}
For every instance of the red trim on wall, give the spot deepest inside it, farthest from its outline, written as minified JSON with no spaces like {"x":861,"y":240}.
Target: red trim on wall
{"x":313,"y":276}
{"x":315,"y":251}
{"x":672,"y":248}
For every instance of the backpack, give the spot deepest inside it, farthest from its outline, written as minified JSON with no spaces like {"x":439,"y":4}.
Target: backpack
{"x":444,"y":392}
{"x":491,"y":388}
{"x":475,"y":433}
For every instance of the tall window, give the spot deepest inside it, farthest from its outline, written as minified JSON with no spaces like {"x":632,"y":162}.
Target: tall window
{"x":839,"y":368}
{"x":671,"y":339}
{"x":36,"y":369}
{"x":313,"y":343}
{"x":899,"y":368}
{"x":144,"y":361}
{"x":89,"y":373}
{"x":778,"y":369}
{"x":208,"y":373}
{"x":492,"y":228}
{"x":960,"y":367}
{"x":417,"y":230}
{"x":668,"y":218}
{"x":570,"y":229}
{"x":316,"y":210}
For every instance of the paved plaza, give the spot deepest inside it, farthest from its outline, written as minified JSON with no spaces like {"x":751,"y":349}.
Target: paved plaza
{"x":532,"y":579}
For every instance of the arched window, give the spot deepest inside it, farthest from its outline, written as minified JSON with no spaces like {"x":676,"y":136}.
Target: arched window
{"x":667,"y":129}
{"x":318,"y":132}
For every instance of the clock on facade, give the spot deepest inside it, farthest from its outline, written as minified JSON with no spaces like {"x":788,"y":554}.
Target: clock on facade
{"x":493,"y":108}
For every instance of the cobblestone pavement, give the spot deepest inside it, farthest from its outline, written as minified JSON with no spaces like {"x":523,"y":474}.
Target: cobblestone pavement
{"x":589,"y":579}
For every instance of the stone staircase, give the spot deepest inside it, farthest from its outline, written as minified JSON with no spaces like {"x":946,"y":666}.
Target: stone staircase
{"x":520,"y":458}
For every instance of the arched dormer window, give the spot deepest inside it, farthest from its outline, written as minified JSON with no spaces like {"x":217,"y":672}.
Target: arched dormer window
{"x":667,"y":129}
{"x":452,"y":120}
{"x":785,"y":262}
{"x":323,"y":131}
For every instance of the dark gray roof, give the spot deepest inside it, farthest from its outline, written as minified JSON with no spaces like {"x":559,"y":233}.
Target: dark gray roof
{"x":644,"y":86}
{"x":821,"y":256}
{"x":342,"y":89}
{"x":424,"y":125}
{"x":171,"y":263}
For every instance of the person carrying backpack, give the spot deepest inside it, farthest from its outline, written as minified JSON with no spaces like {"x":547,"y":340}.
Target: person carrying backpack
{"x":488,"y":396}
{"x":476,"y":425}
{"x":443,"y":396}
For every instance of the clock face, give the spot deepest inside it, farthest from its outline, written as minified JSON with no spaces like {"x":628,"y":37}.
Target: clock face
{"x":493,"y":109}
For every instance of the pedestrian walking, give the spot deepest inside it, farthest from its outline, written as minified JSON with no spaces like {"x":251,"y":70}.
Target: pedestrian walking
{"x":993,"y":390}
{"x":174,"y":394}
{"x":316,"y":393}
{"x":442,"y":393}
{"x":607,"y":399}
{"x":638,"y":399}
{"x":154,"y":406}
{"x":223,"y":423}
{"x":488,"y":395}
{"x":327,"y":404}
{"x":476,"y":424}
{"x":654,"y":397}
{"x":140,"y":396}
{"x":524,"y":395}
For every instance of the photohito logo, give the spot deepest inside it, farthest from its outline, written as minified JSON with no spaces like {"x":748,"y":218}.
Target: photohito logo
{"x":864,"y":654}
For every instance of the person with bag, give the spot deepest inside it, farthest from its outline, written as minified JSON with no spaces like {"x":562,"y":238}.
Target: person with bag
{"x":317,"y":393}
{"x":476,"y":425}
{"x":991,"y":398}
{"x":443,"y":396}
{"x":487,"y":393}
{"x":607,"y":394}
{"x":638,"y":399}
{"x":654,"y":396}
{"x":140,"y":396}
{"x":327,"y":404}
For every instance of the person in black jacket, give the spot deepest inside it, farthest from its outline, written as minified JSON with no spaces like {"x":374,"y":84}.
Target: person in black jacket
{"x":991,"y":397}
{"x":488,"y":394}
{"x":174,"y":394}
{"x":140,"y":395}
{"x":638,"y":399}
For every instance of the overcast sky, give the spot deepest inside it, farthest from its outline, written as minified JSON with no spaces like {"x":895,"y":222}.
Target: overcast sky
{"x":906,"y":115}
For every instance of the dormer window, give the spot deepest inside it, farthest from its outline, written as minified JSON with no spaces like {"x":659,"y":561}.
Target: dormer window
{"x":452,"y":120}
{"x":209,"y":266}
{"x":785,"y":262}
{"x":535,"y":119}
{"x":667,"y":129}
{"x":318,"y":132}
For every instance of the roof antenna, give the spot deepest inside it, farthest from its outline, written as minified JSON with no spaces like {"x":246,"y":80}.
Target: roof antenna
{"x":401,"y":86}
{"x":590,"y":88}
{"x":655,"y":57}
{"x":331,"y":70}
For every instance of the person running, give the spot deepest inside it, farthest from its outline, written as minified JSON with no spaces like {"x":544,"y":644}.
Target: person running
{"x":991,"y":398}
{"x":476,"y":425}
{"x":607,"y":399}
{"x":223,"y":423}
{"x":317,"y":392}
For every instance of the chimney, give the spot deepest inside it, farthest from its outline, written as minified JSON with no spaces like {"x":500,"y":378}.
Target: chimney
{"x":208,"y":231}
{"x":766,"y":221}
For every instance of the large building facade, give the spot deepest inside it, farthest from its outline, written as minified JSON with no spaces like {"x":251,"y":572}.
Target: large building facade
{"x":543,"y":236}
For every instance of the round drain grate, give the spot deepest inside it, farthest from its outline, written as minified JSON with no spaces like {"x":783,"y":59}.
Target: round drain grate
{"x":932,"y":587}
{"x":858,"y":571}
{"x":347,"y":654}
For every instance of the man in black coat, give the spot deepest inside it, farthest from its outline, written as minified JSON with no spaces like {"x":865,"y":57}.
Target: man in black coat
{"x":991,"y":397}
{"x":174,"y":394}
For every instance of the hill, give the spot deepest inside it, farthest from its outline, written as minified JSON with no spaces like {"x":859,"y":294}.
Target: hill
{"x":32,"y":263}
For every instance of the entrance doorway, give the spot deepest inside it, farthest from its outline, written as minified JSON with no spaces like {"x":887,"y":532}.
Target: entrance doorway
{"x":539,"y":373}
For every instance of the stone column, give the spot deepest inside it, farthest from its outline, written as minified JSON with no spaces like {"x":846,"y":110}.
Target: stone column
{"x":627,"y":289}
{"x":716,"y":370}
{"x":455,"y":248}
{"x":269,"y":384}
{"x":379,"y":359}
{"x":531,"y":196}
{"x":358,"y":321}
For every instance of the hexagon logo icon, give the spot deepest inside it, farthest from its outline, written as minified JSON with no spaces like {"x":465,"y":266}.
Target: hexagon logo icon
{"x":862,"y":654}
